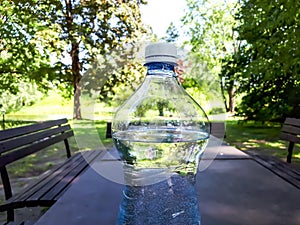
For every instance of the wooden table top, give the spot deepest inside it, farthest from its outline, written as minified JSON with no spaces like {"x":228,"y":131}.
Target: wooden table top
{"x":232,"y":189}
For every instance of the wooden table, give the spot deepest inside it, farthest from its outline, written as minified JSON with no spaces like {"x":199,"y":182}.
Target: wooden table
{"x":233,"y":190}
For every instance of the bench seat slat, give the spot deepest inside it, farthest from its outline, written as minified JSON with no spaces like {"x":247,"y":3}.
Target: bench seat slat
{"x":61,"y":186}
{"x":292,"y":121}
{"x":60,"y":178}
{"x":19,"y":200}
{"x":95,"y":155}
{"x":20,"y":223}
{"x":290,"y":132}
{"x":52,"y":174}
{"x":47,"y":191}
{"x":31,"y":138}
{"x":21,"y":153}
{"x":31,"y":189}
{"x":279,"y":168}
{"x":289,"y":137}
{"x":13,"y":132}
{"x":291,"y":129}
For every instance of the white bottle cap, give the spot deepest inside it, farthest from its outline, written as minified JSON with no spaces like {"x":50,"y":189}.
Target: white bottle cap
{"x":161,"y":52}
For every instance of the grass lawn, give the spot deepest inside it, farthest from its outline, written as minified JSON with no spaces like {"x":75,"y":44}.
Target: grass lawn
{"x":90,"y":134}
{"x":260,"y":138}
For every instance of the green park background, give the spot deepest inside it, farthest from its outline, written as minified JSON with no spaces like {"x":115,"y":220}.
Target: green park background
{"x":80,"y":60}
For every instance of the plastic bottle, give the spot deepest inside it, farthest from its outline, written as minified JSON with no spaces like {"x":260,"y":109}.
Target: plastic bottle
{"x":160,"y":132}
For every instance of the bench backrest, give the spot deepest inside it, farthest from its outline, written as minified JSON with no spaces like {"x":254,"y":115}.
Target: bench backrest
{"x":16,"y":143}
{"x":291,"y":130}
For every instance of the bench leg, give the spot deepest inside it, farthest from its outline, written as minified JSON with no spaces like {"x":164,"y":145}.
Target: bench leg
{"x":108,"y":130}
{"x":10,"y":215}
{"x":7,"y":191}
{"x":290,"y":152}
{"x":67,"y":148}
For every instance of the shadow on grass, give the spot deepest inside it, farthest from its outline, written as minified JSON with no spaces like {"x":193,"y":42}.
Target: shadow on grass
{"x":261,"y":138}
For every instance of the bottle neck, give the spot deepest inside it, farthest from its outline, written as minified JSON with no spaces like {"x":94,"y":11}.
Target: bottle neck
{"x":161,"y":68}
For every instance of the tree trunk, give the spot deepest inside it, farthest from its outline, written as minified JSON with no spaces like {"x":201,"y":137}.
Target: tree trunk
{"x":76,"y":80}
{"x":69,"y":13}
{"x":224,"y":97}
{"x":231,"y":94}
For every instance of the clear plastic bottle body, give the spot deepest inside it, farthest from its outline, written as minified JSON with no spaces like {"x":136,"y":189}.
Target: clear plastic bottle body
{"x":160,"y":132}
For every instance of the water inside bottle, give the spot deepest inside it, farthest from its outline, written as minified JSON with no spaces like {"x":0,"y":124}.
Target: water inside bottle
{"x":159,"y":169}
{"x":169,"y":202}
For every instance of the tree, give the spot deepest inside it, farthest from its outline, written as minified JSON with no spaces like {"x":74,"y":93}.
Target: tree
{"x":271,"y":74}
{"x":22,"y":56}
{"x":172,"y":33}
{"x":79,"y":32}
{"x":231,"y":74}
{"x":27,"y":94}
{"x":210,"y":27}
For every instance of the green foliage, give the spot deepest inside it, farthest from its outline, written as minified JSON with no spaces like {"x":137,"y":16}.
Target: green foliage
{"x":212,"y":38}
{"x":200,"y":97}
{"x":22,"y":54}
{"x":142,"y":109}
{"x":270,"y":77}
{"x":161,"y":105}
{"x":50,"y":106}
{"x":14,"y":123}
{"x":203,"y":86}
{"x":27,"y":94}
{"x":114,"y":76}
{"x":253,"y":47}
{"x":231,"y":75}
{"x":172,"y":33}
{"x":73,"y":34}
{"x":216,"y":110}
{"x":101,"y":32}
{"x":210,"y":26}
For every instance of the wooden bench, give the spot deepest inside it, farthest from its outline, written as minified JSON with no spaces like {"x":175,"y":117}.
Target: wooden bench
{"x":277,"y":166}
{"x":17,"y":143}
{"x":290,"y":132}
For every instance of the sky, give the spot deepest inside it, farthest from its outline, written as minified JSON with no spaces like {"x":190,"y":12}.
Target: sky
{"x":160,"y":13}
